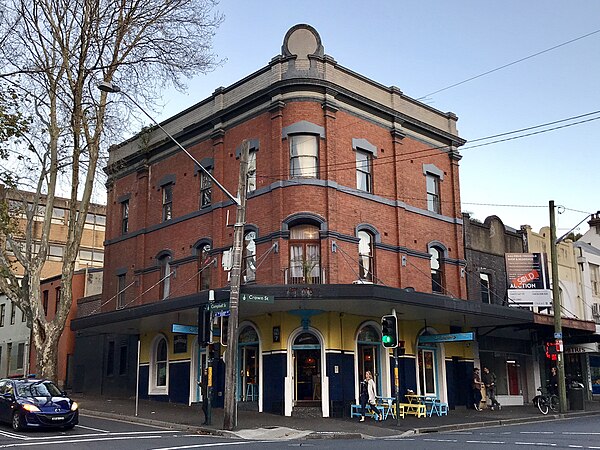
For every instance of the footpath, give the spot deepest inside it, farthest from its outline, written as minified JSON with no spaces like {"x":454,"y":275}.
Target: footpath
{"x":255,"y":425}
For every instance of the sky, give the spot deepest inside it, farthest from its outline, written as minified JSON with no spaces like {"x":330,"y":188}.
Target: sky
{"x":423,"y":46}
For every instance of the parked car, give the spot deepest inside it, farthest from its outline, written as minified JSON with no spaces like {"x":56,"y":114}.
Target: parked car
{"x":36,"y":403}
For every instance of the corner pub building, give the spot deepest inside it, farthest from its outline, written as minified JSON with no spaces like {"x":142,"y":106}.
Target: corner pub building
{"x":353,"y":211}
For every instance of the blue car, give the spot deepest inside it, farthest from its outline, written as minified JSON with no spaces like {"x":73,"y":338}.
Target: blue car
{"x":36,"y":404}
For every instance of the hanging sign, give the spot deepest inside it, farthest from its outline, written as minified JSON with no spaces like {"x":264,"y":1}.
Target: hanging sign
{"x":448,"y":337}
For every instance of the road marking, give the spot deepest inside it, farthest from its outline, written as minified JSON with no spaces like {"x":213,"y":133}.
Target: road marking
{"x":575,"y":446}
{"x":441,"y":440}
{"x":12,"y":435}
{"x":53,"y":442}
{"x":536,"y":443}
{"x":216,"y":444}
{"x":536,"y":432}
{"x":579,"y":432}
{"x":93,"y":429}
{"x":68,"y":437}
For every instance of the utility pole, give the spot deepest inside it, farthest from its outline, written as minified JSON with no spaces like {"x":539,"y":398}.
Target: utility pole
{"x":562,"y":392}
{"x":231,"y":356}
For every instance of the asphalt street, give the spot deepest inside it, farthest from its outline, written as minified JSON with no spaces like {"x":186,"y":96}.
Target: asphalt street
{"x":100,"y":433}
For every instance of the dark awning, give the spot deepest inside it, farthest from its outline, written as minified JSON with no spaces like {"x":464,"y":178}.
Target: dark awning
{"x":360,"y":299}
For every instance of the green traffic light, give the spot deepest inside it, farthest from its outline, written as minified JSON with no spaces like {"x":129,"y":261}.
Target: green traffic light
{"x":386,"y":339}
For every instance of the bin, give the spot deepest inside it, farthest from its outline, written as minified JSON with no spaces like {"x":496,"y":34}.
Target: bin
{"x":576,"y":398}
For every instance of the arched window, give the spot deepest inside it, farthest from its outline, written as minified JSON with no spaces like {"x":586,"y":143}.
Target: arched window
{"x":165,"y":275}
{"x":305,"y":254}
{"x":437,"y":273}
{"x":366,"y":256}
{"x":204,"y":267}
{"x":159,"y":366}
{"x":249,"y":269}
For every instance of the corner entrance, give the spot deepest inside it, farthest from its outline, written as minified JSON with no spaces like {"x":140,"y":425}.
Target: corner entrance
{"x":307,"y":370}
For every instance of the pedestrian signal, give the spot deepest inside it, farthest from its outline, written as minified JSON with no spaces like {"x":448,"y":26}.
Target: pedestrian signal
{"x":389,"y":331}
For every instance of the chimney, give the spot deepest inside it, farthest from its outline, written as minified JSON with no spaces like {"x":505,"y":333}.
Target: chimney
{"x":595,"y":222}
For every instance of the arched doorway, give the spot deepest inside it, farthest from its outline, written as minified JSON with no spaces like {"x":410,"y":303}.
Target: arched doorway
{"x":249,"y":363}
{"x":307,"y":370}
{"x":198,"y":364}
{"x":368,"y":343}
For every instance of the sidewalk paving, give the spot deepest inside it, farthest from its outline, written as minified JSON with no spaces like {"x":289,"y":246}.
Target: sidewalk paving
{"x":255,"y":425}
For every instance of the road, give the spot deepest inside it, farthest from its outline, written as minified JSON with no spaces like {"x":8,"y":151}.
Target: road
{"x":96,"y":433}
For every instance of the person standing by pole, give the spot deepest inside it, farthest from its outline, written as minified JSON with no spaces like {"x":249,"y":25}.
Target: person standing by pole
{"x":489,"y":381}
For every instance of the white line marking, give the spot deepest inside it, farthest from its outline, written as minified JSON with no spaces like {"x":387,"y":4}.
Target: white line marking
{"x":536,"y":432}
{"x":68,"y":437}
{"x":93,"y":429}
{"x":579,"y":432}
{"x":13,"y":435}
{"x":575,"y":446}
{"x":28,"y":444}
{"x":216,"y":444}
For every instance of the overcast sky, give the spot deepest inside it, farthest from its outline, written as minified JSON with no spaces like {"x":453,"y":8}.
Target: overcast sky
{"x":424,"y":46}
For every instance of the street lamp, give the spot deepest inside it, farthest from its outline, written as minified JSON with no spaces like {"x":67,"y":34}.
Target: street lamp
{"x":230,"y":407}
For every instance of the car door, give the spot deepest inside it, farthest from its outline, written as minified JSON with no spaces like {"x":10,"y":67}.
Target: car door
{"x":5,"y":402}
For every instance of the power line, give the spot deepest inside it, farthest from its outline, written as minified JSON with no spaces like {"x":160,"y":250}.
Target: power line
{"x":509,"y":64}
{"x":424,"y":153}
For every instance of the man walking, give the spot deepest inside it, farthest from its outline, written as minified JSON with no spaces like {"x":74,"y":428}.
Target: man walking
{"x":489,"y":380}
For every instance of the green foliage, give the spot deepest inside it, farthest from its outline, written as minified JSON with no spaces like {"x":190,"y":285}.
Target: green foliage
{"x":13,"y":123}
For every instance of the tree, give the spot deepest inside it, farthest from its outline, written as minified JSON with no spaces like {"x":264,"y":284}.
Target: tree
{"x":54,"y":54}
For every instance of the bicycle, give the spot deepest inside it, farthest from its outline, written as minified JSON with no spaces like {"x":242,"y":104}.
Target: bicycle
{"x":546,"y":402}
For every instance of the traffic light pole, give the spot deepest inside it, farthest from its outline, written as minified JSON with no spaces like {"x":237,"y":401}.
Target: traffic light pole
{"x":562,"y":391}
{"x":397,"y":384}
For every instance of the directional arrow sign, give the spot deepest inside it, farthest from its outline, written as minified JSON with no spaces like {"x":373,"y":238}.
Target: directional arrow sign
{"x":257,"y":298}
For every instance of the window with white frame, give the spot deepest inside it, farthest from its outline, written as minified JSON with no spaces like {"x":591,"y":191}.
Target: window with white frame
{"x":437,"y":273}
{"x":366,"y":256}
{"x":159,"y":367}
{"x":249,"y":269}
{"x":305,"y":255}
{"x":251,"y":177}
{"x":205,"y":189}
{"x":364,"y":163}
{"x":595,"y":279}
{"x":125,"y":217}
{"x":433,"y":193}
{"x":167,"y":202}
{"x":484,"y":287}
{"x":121,"y":291}
{"x":165,"y":275}
{"x":304,"y":156}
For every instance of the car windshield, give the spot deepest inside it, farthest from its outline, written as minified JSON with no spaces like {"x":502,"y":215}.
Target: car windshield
{"x":38,"y":389}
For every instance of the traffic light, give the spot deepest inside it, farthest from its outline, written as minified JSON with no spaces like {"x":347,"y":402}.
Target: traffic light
{"x":389,"y":331}
{"x":204,"y":326}
{"x":551,"y":351}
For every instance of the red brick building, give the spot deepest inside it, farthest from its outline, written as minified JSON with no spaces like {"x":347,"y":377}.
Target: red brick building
{"x":353,"y":210}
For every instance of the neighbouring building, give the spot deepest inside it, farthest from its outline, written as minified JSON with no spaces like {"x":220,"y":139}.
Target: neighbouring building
{"x":353,"y":212}
{"x":14,"y":332}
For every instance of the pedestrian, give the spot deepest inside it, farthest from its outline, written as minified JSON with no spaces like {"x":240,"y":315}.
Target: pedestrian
{"x":368,"y":392}
{"x":476,"y":387}
{"x":553,"y":383}
{"x":489,"y":381}
{"x":204,"y":392}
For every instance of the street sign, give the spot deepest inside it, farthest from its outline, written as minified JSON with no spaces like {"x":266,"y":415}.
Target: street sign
{"x":223,"y":313}
{"x":184,"y":329}
{"x":258,"y":298}
{"x":218,"y":306}
{"x":449,"y":337}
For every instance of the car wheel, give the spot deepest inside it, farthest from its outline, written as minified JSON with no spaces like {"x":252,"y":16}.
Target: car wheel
{"x":17,"y":422}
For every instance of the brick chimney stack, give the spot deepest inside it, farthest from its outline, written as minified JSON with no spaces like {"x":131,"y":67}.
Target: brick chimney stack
{"x":595,"y":222}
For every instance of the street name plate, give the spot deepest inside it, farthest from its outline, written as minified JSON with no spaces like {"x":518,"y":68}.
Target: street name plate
{"x":258,"y":298}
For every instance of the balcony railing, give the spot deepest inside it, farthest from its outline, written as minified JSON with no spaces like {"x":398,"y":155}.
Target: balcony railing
{"x":315,"y":276}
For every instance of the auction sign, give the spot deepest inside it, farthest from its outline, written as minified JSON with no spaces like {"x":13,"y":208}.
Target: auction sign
{"x":528,"y":279}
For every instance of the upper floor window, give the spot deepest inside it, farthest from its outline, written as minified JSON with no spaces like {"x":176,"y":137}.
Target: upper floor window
{"x":205,"y":189}
{"x":45,"y":302}
{"x":363,"y":171}
{"x":433,"y":193}
{"x":437,"y":274}
{"x":2,"y":314}
{"x":165,"y":276}
{"x":595,"y":279}
{"x":305,"y":255}
{"x":251,"y":178}
{"x":13,"y":313}
{"x":484,"y":287}
{"x":304,"y":156}
{"x":57,"y":304}
{"x":204,"y":267}
{"x":366,"y":260}
{"x":91,"y":255}
{"x":124,"y":217}
{"x":167,"y":202}
{"x":249,"y":269}
{"x":121,"y":291}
